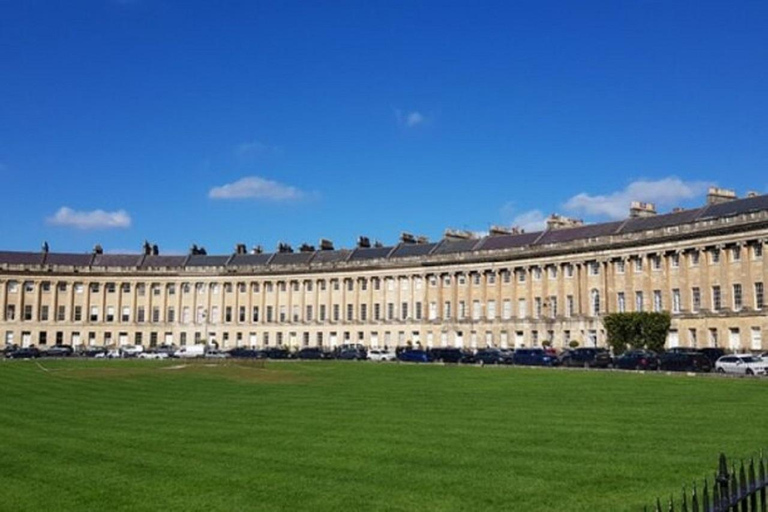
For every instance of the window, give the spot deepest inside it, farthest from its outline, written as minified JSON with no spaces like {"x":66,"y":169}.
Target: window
{"x":656,"y":262}
{"x":491,"y":310}
{"x":594,"y":268}
{"x":676,"y":300}
{"x":78,"y":288}
{"x":228,"y":313}
{"x":757,"y":250}
{"x":364,"y":284}
{"x":170,"y":315}
{"x":125,"y":288}
{"x":475,"y":279}
{"x":476,"y":310}
{"x":309,"y":313}
{"x":695,"y":299}
{"x":10,"y":312}
{"x":714,"y":255}
{"x":61,"y":313}
{"x":716,"y":298}
{"x":156,"y":314}
{"x":308,"y":286}
{"x":552,"y":306}
{"x":736,"y":253}
{"x":43,"y":313}
{"x":621,"y":302}
{"x":241,"y":314}
{"x":620,"y":267}
{"x":255,"y":314}
{"x":27,"y":313}
{"x":639,"y":302}
{"x":295,"y":285}
{"x":491,"y":278}
{"x":505,"y":276}
{"x":522,"y":309}
{"x":403,"y":310}
{"x":595,"y":301}
{"x":322,"y":285}
{"x":281,"y":285}
{"x":537,"y":273}
{"x":110,"y":316}
{"x":737,"y":297}
{"x":447,"y":309}
{"x":657,"y":306}
{"x":335,"y":283}
{"x":94,"y":317}
{"x":94,"y":287}
{"x":552,"y":272}
{"x":570,"y":306}
{"x":351,"y":312}
{"x":283,"y":313}
{"x":713,"y":337}
{"x":156,"y":290}
{"x":506,"y":309}
{"x":364,"y":311}
{"x":537,"y":307}
{"x":569,"y":270}
{"x":639,"y":264}
{"x":674,"y":260}
{"x":141,"y":289}
{"x":45,"y":286}
{"x":759,"y":296}
{"x":462,"y":310}
{"x":322,"y":313}
{"x":694,"y":258}
{"x":376,"y":311}
{"x":350,"y":285}
{"x":62,"y":287}
{"x":520,"y":275}
{"x":78,"y":315}
{"x":110,"y":287}
{"x":186,"y":315}
{"x":390,"y":310}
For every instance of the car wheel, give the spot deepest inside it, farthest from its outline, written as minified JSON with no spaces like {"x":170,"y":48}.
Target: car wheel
{"x":586,"y":364}
{"x":639,"y":367}
{"x":720,"y":370}
{"x":750,"y":372}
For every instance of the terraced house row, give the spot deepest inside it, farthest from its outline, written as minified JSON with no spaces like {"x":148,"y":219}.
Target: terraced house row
{"x":509,"y":288}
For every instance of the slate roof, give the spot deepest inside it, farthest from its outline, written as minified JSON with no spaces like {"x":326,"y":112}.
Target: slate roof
{"x":21,"y":258}
{"x":736,"y":207}
{"x":412,"y":250}
{"x":370,"y":253}
{"x":454,"y":246}
{"x":331,"y":256}
{"x":291,"y":258}
{"x":117,"y":260}
{"x":660,"y":221}
{"x":491,"y":243}
{"x":152,"y":260}
{"x":252,"y":260}
{"x":68,"y":259}
{"x":204,"y":260}
{"x":556,"y":236}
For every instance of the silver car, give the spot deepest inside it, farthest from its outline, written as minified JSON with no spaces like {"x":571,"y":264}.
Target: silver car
{"x":742,"y":364}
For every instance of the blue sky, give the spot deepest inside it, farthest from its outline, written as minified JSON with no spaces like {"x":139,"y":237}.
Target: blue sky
{"x":257,"y":122}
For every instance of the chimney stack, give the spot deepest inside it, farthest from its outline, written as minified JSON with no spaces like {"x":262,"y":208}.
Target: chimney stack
{"x":717,"y":195}
{"x":257,"y":249}
{"x":326,"y":245}
{"x":556,"y":221}
{"x":240,"y":249}
{"x":363,"y":242}
{"x":458,"y":234}
{"x":407,"y":238}
{"x":752,"y":193}
{"x":639,"y":209}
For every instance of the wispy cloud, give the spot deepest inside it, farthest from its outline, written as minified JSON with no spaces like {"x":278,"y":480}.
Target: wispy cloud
{"x":664,"y":193}
{"x":530,"y":220}
{"x":95,"y":219}
{"x":255,"y":187}
{"x":410,"y":119}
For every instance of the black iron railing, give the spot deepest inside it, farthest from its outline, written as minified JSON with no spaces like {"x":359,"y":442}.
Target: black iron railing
{"x":729,"y":491}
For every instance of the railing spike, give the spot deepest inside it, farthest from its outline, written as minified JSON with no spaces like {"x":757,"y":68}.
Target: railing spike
{"x":694,"y":499}
{"x":684,"y":504}
{"x":671,"y":504}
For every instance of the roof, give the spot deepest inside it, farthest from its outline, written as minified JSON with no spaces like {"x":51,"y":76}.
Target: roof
{"x":735,"y":207}
{"x":203,"y":260}
{"x":117,"y":260}
{"x":68,"y":259}
{"x":555,"y":236}
{"x":252,"y":260}
{"x":154,"y":260}
{"x":661,"y":221}
{"x":454,"y":246}
{"x":291,"y":258}
{"x":21,"y":258}
{"x":412,"y":250}
{"x":331,"y":256}
{"x":491,"y":243}
{"x":370,"y":253}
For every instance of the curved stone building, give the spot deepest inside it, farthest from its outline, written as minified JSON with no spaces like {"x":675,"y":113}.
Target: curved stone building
{"x":705,"y":266}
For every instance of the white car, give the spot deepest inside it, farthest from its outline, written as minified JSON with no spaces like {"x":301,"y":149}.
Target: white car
{"x":131,"y":350}
{"x":153,"y":355}
{"x":377,"y":354}
{"x":742,"y":364}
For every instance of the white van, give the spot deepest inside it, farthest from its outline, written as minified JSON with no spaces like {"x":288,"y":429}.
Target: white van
{"x":190,"y":351}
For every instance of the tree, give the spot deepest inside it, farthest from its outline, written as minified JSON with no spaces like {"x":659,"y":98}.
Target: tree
{"x":637,"y":330}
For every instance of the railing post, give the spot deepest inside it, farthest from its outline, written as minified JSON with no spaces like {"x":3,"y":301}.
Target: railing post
{"x":684,"y":506}
{"x":763,"y":485}
{"x":721,"y":483}
{"x":694,"y":499}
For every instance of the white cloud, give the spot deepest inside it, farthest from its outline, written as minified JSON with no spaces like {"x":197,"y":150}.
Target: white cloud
{"x":410,"y":119}
{"x":531,"y":220}
{"x":96,"y":219}
{"x":664,"y":193}
{"x":255,"y":187}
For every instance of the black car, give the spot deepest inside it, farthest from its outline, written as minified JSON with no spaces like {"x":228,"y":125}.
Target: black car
{"x":93,"y":351}
{"x":352,"y":354}
{"x":637,"y":360}
{"x":586,"y":357}
{"x":685,"y":361}
{"x":276,"y":353}
{"x":245,"y":353}
{"x":24,"y":353}
{"x":311,"y":353}
{"x":713,"y":354}
{"x":491,"y":356}
{"x":447,"y":355}
{"x":533,"y":357}
{"x":58,"y":351}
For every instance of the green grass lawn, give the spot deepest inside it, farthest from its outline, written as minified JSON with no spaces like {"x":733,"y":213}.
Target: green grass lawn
{"x":138,"y":435}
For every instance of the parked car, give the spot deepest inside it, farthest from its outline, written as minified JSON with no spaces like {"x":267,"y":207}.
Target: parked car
{"x":24,"y":353}
{"x":491,"y":356}
{"x":413,"y":356}
{"x":190,"y":351}
{"x":276,"y":353}
{"x":152,"y":354}
{"x":311,"y":353}
{"x":637,"y":360}
{"x":533,"y":357}
{"x":94,"y":351}
{"x":684,"y":361}
{"x":713,"y":354}
{"x":246,"y":353}
{"x":446,"y":355}
{"x":131,"y":350}
{"x":216,"y":354}
{"x":379,"y":354}
{"x":58,"y":351}
{"x":352,"y":354}
{"x":742,"y":364}
{"x":586,"y":357}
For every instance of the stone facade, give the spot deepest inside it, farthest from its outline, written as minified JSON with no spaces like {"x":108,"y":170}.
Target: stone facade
{"x":708,"y":272}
